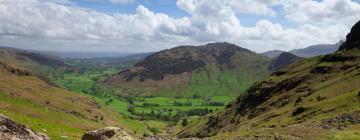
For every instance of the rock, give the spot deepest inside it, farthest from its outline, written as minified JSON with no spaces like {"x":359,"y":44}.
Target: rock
{"x":13,"y":131}
{"x":353,"y":38}
{"x":298,"y":100}
{"x":108,"y":133}
{"x":298,"y":111}
{"x":321,"y":70}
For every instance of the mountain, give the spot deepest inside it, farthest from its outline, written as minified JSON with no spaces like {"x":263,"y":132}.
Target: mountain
{"x":211,"y":69}
{"x":314,"y":98}
{"x":317,"y":50}
{"x":272,"y":54}
{"x":30,"y":99}
{"x":283,"y":60}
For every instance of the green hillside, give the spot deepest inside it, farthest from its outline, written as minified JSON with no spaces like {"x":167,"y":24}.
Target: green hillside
{"x":209,"y":70}
{"x":314,"y":98}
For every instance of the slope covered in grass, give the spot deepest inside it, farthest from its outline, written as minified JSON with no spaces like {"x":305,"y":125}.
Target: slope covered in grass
{"x":208,"y":70}
{"x":315,"y":98}
{"x":57,"y":112}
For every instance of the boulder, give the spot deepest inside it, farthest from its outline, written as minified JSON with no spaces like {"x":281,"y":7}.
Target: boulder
{"x":10,"y":130}
{"x":108,"y":133}
{"x":298,"y":111}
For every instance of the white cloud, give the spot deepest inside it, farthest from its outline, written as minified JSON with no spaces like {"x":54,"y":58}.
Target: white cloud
{"x":53,"y":25}
{"x":323,"y":12}
{"x":257,"y":7}
{"x":122,"y":1}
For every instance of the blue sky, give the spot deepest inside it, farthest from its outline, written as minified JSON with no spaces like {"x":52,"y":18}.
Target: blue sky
{"x":170,"y":8}
{"x":153,"y":25}
{"x":160,"y":6}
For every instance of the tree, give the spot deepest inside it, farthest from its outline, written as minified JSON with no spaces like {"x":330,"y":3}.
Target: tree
{"x":184,"y":122}
{"x":131,"y":108}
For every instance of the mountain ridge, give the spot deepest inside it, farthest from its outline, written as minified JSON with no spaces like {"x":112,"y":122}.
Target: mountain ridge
{"x":305,"y":100}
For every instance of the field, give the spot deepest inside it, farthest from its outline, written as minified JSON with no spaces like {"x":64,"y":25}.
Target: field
{"x":166,"y":103}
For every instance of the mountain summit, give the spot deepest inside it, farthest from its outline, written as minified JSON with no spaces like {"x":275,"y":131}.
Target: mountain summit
{"x":214,"y":65}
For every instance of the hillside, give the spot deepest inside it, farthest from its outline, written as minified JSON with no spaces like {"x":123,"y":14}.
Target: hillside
{"x":26,"y":58}
{"x":283,"y":60}
{"x":59,"y":113}
{"x":212,"y":69}
{"x":316,"y":98}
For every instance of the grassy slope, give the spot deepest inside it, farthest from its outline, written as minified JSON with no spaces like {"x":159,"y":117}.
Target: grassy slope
{"x":48,"y":109}
{"x":245,"y":69}
{"x":333,"y":93}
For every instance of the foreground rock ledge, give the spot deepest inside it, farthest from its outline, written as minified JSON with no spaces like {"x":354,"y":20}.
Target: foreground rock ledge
{"x":10,"y":130}
{"x":108,"y":133}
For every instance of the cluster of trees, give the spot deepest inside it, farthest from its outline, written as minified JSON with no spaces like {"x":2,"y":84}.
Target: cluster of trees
{"x":177,"y":103}
{"x":213,"y":104}
{"x":196,"y":96}
{"x":109,"y":101}
{"x":150,"y":105}
{"x":169,"y":116}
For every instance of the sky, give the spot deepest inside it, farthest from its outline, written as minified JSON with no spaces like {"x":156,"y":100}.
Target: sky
{"x":153,"y":25}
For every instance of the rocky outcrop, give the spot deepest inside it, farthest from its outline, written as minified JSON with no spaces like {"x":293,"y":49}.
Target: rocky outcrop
{"x":10,"y":130}
{"x":13,"y":70}
{"x":108,"y":133}
{"x":353,"y":38}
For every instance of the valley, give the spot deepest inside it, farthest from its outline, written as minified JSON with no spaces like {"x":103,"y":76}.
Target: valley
{"x":190,"y":90}
{"x":179,"y":70}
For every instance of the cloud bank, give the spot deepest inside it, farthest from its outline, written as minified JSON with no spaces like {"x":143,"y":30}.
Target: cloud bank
{"x":62,"y":25}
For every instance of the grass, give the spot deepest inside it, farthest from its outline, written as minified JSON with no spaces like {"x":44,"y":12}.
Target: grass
{"x":82,"y":82}
{"x":57,"y":125}
{"x":166,"y":103}
{"x":333,"y":93}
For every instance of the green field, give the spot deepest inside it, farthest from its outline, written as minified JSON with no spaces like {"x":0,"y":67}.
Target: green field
{"x":166,"y":103}
{"x":83,"y":82}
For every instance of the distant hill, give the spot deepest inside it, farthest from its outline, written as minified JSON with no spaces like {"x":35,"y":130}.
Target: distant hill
{"x":272,"y":54}
{"x":317,"y":50}
{"x":120,"y":63}
{"x":212,"y":69}
{"x":26,"y":58}
{"x":283,"y":60}
{"x":314,"y":98}
{"x":90,"y":54}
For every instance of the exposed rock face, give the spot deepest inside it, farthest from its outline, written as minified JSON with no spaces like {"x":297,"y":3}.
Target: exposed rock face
{"x":10,"y":130}
{"x":283,"y":60}
{"x":353,"y":38}
{"x":108,"y":133}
